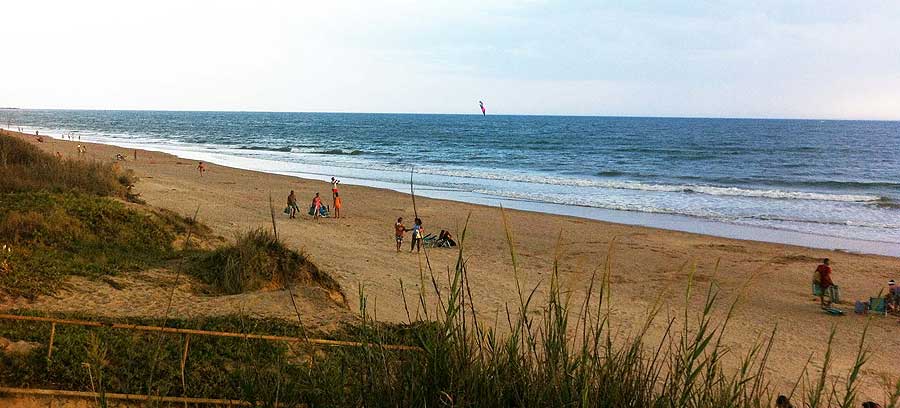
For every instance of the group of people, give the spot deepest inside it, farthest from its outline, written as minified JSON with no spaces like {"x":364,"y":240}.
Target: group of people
{"x":418,"y":234}
{"x":444,"y":239}
{"x":317,"y":208}
{"x":71,"y":136}
{"x":826,"y":290}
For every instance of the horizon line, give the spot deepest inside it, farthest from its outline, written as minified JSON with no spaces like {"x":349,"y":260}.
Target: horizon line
{"x":590,"y":115}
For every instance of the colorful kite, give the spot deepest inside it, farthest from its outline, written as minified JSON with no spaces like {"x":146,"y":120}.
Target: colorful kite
{"x":480,"y":103}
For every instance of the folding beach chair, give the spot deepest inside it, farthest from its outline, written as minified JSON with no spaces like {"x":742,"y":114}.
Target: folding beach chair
{"x":877,"y":305}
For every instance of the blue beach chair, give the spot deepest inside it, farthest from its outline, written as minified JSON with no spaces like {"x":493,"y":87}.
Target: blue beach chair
{"x":878,"y":305}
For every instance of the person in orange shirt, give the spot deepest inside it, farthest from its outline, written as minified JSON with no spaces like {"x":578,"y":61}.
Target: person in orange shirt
{"x":337,"y":205}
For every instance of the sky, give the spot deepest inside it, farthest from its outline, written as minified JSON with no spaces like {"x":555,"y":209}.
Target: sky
{"x":767,"y":58}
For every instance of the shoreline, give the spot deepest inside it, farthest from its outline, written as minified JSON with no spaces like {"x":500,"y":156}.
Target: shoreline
{"x":664,"y":221}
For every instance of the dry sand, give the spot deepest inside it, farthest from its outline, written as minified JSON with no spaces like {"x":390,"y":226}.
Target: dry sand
{"x":359,"y":252}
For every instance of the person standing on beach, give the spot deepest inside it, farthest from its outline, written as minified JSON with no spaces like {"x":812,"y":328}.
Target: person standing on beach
{"x":317,"y":206}
{"x":399,"y":230}
{"x":337,"y":205}
{"x":292,"y":204}
{"x":334,"y":187}
{"x":418,"y":234}
{"x":201,"y":168}
{"x":823,"y":272}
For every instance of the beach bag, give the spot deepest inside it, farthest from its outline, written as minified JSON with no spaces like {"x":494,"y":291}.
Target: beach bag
{"x":859,"y":307}
{"x":287,"y":210}
{"x":835,"y":293}
{"x":816,"y":289}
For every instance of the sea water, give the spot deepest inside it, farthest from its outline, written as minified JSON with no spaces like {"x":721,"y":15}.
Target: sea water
{"x":830,"y":184}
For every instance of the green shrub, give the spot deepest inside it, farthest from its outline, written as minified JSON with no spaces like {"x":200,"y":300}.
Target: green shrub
{"x":256,"y":260}
{"x":55,"y":235}
{"x":26,"y":168}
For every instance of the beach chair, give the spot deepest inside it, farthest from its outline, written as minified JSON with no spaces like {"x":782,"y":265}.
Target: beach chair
{"x":833,"y":292}
{"x":429,"y":240}
{"x":878,"y":305}
{"x":323,"y":211}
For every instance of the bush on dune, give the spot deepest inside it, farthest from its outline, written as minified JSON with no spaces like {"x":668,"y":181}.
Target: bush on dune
{"x":54,"y":235}
{"x":256,"y":260}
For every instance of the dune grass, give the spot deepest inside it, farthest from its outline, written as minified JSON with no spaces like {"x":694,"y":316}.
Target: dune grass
{"x":566,"y":355}
{"x":257,"y":259}
{"x":26,"y":168}
{"x":63,"y":217}
{"x":53,"y":235}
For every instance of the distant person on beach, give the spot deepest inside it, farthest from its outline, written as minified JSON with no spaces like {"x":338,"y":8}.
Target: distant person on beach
{"x":399,"y":231}
{"x":446,"y":239}
{"x":823,"y":274}
{"x":783,"y":402}
{"x":337,"y":205}
{"x":334,"y":187}
{"x":292,"y":204}
{"x":418,"y":234}
{"x":201,"y":168}
{"x":892,"y":297}
{"x":317,"y":206}
{"x":135,"y":154}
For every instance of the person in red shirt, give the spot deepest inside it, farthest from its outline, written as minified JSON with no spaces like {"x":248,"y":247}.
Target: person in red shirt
{"x":825,"y":282}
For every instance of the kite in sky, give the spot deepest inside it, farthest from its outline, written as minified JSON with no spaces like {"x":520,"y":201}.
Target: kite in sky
{"x":480,"y":103}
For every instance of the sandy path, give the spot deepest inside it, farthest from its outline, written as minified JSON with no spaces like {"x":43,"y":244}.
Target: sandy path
{"x":358,"y":250}
{"x":147,"y":294}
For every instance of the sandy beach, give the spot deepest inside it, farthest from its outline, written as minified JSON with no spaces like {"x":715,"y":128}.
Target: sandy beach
{"x":358,"y":250}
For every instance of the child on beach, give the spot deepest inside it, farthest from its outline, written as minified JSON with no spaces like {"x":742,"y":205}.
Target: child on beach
{"x":418,"y":234}
{"x":399,"y":230}
{"x":292,"y":204}
{"x":892,"y":297}
{"x":317,"y":206}
{"x":201,"y":168}
{"x":337,"y":205}
{"x":334,"y":187}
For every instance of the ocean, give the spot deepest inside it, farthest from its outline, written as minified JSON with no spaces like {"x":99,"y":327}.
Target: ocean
{"x":827,"y":184}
